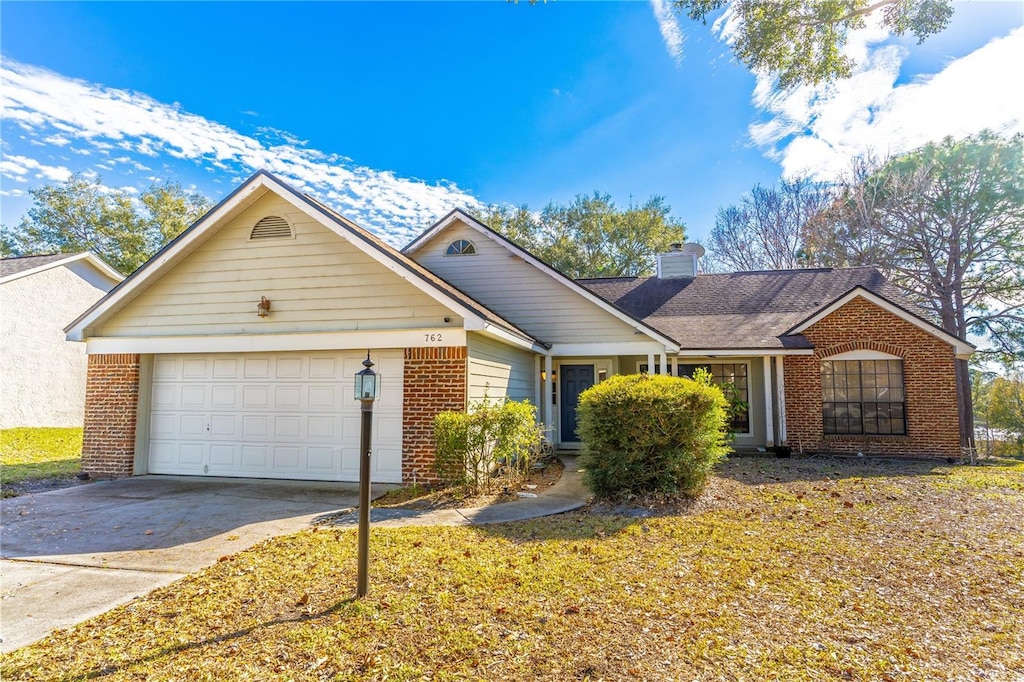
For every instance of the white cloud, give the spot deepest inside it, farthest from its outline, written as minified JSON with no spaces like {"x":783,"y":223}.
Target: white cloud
{"x":17,"y":167}
{"x":817,"y":131}
{"x":48,"y":104}
{"x":668,"y":24}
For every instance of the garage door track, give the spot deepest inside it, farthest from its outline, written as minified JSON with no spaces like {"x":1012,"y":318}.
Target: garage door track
{"x":71,"y":554}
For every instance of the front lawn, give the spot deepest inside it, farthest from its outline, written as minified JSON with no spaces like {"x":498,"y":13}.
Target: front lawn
{"x":799,"y":569}
{"x":28,"y":454}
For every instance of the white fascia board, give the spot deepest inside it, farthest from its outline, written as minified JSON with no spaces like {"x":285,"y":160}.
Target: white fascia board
{"x":87,"y":256}
{"x":245,"y":193}
{"x":165,"y":258}
{"x":459,"y":215}
{"x":601,"y":349}
{"x":509,"y":338}
{"x":742,"y":352}
{"x":961,"y":348}
{"x":317,"y":214}
{"x":258,"y":343}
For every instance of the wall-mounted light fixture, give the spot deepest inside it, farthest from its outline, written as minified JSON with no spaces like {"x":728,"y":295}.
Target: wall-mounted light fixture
{"x":263,"y":307}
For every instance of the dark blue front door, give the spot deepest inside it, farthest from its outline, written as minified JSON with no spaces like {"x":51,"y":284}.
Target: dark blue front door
{"x":572,"y":380}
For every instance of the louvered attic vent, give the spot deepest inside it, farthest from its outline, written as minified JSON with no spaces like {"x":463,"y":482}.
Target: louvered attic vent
{"x":271,"y":227}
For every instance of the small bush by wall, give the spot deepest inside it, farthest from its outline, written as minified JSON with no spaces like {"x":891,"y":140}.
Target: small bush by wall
{"x":651,"y":434}
{"x":491,"y":437}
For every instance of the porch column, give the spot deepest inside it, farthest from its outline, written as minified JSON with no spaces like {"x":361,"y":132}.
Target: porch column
{"x":780,"y":397}
{"x":650,"y":363}
{"x":664,"y":364}
{"x":769,"y":425}
{"x":538,"y":387}
{"x":548,"y":396}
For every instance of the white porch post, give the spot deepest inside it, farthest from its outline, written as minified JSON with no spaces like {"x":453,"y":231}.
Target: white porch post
{"x":780,"y":397}
{"x":769,"y":425}
{"x":548,"y":395}
{"x":650,"y":363}
{"x":538,"y":387}
{"x":664,"y":363}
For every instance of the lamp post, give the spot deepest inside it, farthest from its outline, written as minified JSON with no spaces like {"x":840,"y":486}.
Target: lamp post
{"x":366,"y":390}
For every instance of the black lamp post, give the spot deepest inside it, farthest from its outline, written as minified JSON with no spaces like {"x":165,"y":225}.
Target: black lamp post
{"x":366,"y":390}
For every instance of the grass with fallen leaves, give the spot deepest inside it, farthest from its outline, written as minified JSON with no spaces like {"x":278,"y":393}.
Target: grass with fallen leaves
{"x":34,"y":453}
{"x":800,"y":569}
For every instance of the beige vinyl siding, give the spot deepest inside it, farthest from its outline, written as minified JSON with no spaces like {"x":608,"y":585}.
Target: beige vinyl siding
{"x":499,"y":370}
{"x":519,"y":292}
{"x":317,"y":281}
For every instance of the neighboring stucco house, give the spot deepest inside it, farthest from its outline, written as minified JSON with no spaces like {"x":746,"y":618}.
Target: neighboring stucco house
{"x":42,"y":374}
{"x":187,"y":376}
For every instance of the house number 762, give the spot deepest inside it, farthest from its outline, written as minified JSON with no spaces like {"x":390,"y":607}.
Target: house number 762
{"x":432,"y":338}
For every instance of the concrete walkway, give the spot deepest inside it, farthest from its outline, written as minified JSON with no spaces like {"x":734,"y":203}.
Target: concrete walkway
{"x":72,"y":554}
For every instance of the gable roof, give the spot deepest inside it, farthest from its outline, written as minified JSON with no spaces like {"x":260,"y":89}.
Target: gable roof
{"x":23,"y":266}
{"x":596,"y":299}
{"x":762,"y":310}
{"x":245,"y":194}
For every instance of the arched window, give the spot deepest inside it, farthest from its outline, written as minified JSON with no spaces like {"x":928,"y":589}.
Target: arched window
{"x":460,"y":247}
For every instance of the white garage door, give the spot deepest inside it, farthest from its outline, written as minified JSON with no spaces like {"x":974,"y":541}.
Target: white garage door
{"x":272,"y":415}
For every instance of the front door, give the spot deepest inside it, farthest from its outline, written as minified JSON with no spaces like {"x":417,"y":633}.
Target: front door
{"x":573,"y":380}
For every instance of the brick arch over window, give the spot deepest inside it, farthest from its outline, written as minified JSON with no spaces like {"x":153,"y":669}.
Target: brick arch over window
{"x":829,"y":351}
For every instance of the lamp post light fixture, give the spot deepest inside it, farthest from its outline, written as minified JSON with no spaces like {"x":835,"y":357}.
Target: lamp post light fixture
{"x":367,"y":388}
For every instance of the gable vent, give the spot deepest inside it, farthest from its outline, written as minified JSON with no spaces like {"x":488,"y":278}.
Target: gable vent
{"x":271,"y":227}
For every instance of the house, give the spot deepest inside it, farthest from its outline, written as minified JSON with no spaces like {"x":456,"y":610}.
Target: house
{"x":42,"y":375}
{"x":232,"y":352}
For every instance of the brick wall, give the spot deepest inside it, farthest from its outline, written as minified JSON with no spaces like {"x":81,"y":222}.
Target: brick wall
{"x":111,"y":401}
{"x":435,"y":381}
{"x":928,"y":374}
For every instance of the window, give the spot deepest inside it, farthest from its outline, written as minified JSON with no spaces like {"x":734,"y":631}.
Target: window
{"x":734,"y":373}
{"x":271,"y":227}
{"x":460,"y":247}
{"x":863,"y":397}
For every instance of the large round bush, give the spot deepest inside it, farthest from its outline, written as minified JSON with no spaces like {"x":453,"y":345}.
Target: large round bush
{"x":645,"y":434}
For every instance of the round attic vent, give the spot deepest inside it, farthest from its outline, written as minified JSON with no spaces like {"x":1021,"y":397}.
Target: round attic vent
{"x":271,"y":227}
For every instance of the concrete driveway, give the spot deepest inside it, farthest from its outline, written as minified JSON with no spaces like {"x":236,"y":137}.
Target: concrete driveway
{"x":71,"y":554}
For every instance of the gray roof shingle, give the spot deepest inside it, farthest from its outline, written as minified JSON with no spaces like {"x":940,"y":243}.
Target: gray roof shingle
{"x":741,"y":309}
{"x":12,"y":266}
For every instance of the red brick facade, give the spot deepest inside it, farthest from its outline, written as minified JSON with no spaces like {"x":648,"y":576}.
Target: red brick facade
{"x":435,"y":381}
{"x":111,"y":403}
{"x":928,"y":373}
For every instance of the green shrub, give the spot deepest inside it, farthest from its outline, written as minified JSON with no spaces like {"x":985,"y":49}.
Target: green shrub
{"x":493,"y":437}
{"x":651,"y":434}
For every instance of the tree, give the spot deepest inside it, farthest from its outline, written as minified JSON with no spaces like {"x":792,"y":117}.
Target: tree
{"x":82,"y":214}
{"x":947,"y":224}
{"x":590,"y":237}
{"x":801,"y":42}
{"x":765,"y":231}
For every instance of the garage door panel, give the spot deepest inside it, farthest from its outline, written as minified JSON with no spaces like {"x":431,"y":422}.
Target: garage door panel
{"x":255,"y":426}
{"x":272,"y":415}
{"x":287,"y":427}
{"x":323,"y":397}
{"x":321,"y":367}
{"x":321,"y":428}
{"x":287,"y":397}
{"x":226,"y":397}
{"x":289,"y":368}
{"x":256,"y":397}
{"x":226,"y":368}
{"x":257,"y":367}
{"x":224,"y":456}
{"x":195,"y":368}
{"x":287,"y":458}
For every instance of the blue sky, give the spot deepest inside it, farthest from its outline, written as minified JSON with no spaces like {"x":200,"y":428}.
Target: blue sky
{"x":397,"y":112}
